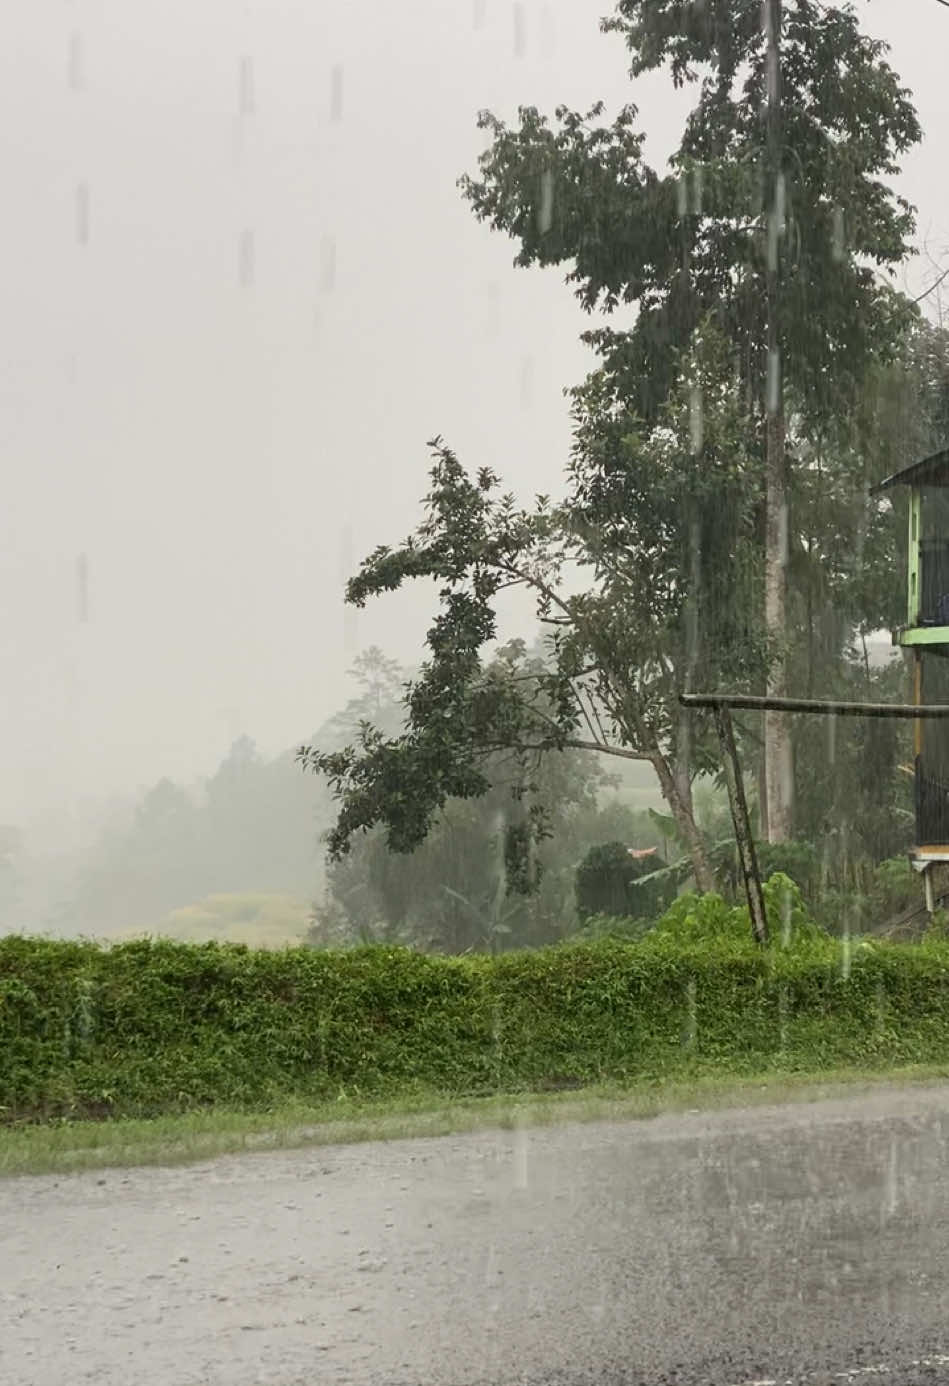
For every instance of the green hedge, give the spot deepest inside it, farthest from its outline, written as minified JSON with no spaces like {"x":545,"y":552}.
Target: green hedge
{"x":153,"y":1026}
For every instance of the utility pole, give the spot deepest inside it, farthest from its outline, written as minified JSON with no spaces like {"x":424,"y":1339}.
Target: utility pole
{"x":778,"y":765}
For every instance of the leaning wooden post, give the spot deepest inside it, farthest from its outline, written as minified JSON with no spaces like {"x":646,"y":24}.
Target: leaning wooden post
{"x":743,"y":834}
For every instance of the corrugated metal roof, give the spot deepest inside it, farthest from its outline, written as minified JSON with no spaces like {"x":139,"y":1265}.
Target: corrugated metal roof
{"x":931,"y":471}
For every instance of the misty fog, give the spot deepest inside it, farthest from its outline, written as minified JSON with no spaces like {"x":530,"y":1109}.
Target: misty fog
{"x":240,"y":291}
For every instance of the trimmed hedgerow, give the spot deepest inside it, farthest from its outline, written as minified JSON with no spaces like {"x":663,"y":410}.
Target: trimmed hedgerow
{"x":153,"y":1027}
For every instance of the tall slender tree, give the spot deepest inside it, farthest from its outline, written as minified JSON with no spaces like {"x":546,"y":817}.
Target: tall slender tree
{"x":775,"y":216}
{"x":778,"y":765}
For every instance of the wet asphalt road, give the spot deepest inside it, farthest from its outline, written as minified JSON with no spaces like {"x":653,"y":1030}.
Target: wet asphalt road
{"x":807,"y":1243}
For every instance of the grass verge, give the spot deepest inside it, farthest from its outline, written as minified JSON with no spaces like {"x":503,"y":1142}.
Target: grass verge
{"x":72,"y":1146}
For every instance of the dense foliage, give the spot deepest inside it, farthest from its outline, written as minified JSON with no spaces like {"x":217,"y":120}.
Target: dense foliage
{"x":479,"y":880}
{"x":154,"y":1027}
{"x":696,"y":239}
{"x":610,"y":880}
{"x":774,"y":219}
{"x":658,"y":571}
{"x":617,"y":652}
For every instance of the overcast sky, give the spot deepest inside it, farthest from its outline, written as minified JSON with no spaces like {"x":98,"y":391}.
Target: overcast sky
{"x":239,"y":291}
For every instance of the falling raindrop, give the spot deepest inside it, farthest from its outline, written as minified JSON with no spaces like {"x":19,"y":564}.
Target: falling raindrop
{"x":527,"y":382}
{"x":783,"y":1017}
{"x":775,"y":227}
{"x":246,"y":255}
{"x":773,"y":70}
{"x":336,"y":93}
{"x":696,"y":417}
{"x":774,"y":381}
{"x":75,"y":62}
{"x":839,"y":234}
{"x":696,"y":181}
{"x":346,"y":567}
{"x":832,"y":738}
{"x":682,"y":193}
{"x":83,"y":215}
{"x":328,"y":263}
{"x":491,"y":1267}
{"x":545,"y":212}
{"x":520,"y":29}
{"x":246,"y":98}
{"x":548,"y":32}
{"x":497,"y":1038}
{"x":785,"y":915}
{"x":891,"y":1188}
{"x":493,"y":315}
{"x":82,"y":588}
{"x":690,"y":1030}
{"x":520,"y":1153}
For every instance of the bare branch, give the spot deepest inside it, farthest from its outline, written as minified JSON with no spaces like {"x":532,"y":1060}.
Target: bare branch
{"x":576,"y":744}
{"x":945,"y":274}
{"x":599,"y":724}
{"x":582,"y":707}
{"x":622,"y":751}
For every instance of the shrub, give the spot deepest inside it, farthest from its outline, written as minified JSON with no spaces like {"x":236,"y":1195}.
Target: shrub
{"x":695,"y":919}
{"x":608,"y":883}
{"x":154,"y":1026}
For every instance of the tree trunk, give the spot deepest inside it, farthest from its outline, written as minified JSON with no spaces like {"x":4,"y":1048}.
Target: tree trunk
{"x":779,"y":769}
{"x":684,"y":725}
{"x":683,"y":813}
{"x":778,"y":762}
{"x":676,"y":792}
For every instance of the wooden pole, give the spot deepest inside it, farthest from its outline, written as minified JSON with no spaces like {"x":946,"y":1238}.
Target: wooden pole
{"x":743,"y":834}
{"x":813,"y":705}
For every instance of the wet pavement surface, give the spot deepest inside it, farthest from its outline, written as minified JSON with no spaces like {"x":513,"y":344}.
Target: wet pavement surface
{"x":798,"y":1244}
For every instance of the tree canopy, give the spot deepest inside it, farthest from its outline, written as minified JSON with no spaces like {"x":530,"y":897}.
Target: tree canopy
{"x":613,"y":585}
{"x":695,"y":239}
{"x":745,"y":289}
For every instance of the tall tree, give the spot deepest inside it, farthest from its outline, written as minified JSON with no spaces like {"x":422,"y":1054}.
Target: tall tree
{"x":847,"y":581}
{"x":778,"y":765}
{"x":620,"y":650}
{"x":775,"y":216}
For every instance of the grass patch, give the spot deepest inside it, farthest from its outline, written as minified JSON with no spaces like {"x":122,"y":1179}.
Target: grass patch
{"x":70,"y":1146}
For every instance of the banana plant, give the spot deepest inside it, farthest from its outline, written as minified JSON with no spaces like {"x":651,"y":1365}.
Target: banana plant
{"x":493,"y":921}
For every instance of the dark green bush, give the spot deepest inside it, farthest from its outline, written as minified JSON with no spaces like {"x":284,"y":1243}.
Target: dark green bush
{"x":153,"y":1027}
{"x":610,"y":882}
